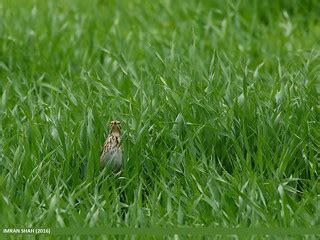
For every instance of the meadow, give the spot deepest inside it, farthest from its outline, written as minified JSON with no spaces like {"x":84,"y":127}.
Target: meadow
{"x":219,"y":104}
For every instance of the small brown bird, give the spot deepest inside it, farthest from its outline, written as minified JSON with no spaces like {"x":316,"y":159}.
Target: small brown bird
{"x":111,"y":155}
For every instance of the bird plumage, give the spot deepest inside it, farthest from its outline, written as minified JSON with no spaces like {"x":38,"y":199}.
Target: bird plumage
{"x":111,"y":155}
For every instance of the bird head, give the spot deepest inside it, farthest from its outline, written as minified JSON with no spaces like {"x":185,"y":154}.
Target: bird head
{"x":115,"y":127}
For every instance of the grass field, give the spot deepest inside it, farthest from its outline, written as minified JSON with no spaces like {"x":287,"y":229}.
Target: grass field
{"x":219,"y":104}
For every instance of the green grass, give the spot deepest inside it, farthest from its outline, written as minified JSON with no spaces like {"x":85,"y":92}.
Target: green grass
{"x":219,"y":103}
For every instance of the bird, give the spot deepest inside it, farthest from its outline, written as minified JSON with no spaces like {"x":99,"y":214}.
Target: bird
{"x":111,"y":156}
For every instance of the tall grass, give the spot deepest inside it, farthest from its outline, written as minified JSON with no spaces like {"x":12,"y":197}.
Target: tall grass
{"x":219,"y":103}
